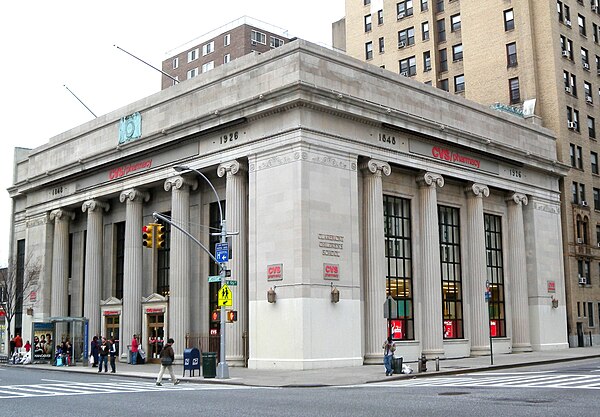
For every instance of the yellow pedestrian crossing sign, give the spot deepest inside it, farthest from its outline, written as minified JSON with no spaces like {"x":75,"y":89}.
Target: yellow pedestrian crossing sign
{"x":225,"y":297}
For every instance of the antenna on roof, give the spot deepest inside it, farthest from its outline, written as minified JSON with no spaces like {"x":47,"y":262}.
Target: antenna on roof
{"x":88,"y":109}
{"x":151,"y":66}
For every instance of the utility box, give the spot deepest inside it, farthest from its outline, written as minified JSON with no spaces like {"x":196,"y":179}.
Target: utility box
{"x":191,"y":361}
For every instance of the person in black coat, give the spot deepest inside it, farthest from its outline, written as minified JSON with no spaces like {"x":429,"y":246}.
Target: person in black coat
{"x":95,"y":351}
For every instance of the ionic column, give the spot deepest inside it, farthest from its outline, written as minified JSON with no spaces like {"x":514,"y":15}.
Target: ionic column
{"x":60,"y":262}
{"x":375,"y":264}
{"x":477,"y":270}
{"x":432,"y":344}
{"x":236,"y":214}
{"x":93,"y":264}
{"x":517,"y":270}
{"x":179,"y":274}
{"x":131,"y":317}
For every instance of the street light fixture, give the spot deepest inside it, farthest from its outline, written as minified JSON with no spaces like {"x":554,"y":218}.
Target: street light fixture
{"x":222,"y":368}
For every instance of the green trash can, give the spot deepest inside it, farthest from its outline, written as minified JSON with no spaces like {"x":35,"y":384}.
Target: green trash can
{"x":209,"y":364}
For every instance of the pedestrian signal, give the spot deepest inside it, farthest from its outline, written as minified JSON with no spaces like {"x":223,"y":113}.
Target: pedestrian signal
{"x":231,"y":316}
{"x":160,"y":236}
{"x":147,"y":237}
{"x":216,"y":316}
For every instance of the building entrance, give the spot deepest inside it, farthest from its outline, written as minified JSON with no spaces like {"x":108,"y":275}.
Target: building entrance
{"x":111,"y":329}
{"x":156,"y":335}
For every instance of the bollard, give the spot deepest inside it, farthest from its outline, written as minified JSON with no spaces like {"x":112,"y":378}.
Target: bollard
{"x":437,"y":363}
{"x":422,"y":363}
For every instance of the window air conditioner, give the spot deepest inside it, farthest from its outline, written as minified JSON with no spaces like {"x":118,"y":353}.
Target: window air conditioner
{"x":579,"y":241}
{"x":571,"y":125}
{"x":565,"y":53}
{"x":598,"y":71}
{"x":427,"y":69}
{"x":400,"y":16}
{"x":588,"y":99}
{"x":599,"y":244}
{"x":584,"y":203}
{"x":582,"y":280}
{"x":568,"y":23}
{"x":253,"y":43}
{"x":401,"y":45}
{"x":567,"y":89}
{"x":595,"y":8}
{"x":404,"y":73}
{"x":586,"y":66}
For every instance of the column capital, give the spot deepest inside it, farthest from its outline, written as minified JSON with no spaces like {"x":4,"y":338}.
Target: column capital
{"x":478,"y":190}
{"x":59,"y":214}
{"x":377,"y":167}
{"x":230,"y":168}
{"x":93,"y":205}
{"x":179,"y":182}
{"x":134,"y":194}
{"x":518,"y":198}
{"x":429,"y":179}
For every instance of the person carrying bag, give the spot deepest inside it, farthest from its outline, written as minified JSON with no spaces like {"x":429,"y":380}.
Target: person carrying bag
{"x":167,"y":357}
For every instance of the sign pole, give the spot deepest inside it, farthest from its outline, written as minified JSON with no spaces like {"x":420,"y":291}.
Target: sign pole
{"x":488,"y":297}
{"x":222,"y":368}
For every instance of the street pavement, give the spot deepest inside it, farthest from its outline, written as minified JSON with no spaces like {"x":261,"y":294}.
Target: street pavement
{"x":340,"y":376}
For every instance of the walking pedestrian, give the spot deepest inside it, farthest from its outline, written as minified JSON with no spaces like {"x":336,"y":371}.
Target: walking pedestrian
{"x":104,"y":349}
{"x":167,"y":357}
{"x":134,"y":349}
{"x":113,"y":353}
{"x":95,"y":347}
{"x":388,"y":353}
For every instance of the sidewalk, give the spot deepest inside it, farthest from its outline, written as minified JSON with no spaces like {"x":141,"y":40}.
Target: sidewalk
{"x":341,"y":376}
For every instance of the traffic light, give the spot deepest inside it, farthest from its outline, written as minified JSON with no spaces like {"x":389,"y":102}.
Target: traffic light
{"x":231,"y":316}
{"x":148,"y":240}
{"x":216,"y":316}
{"x":160,"y":236}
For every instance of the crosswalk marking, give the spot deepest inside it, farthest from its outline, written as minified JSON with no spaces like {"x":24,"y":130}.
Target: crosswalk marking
{"x":504,"y":380}
{"x":66,"y":388}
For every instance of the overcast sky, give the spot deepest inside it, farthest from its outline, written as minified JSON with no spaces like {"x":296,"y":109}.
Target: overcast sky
{"x":47,"y":44}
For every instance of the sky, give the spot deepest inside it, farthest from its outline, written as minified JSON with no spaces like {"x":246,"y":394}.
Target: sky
{"x":49,"y":44}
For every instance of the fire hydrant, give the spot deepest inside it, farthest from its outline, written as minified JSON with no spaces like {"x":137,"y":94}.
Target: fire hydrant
{"x":422,"y":363}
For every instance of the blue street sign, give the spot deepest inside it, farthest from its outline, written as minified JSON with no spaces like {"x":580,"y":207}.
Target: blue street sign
{"x":222,"y":252}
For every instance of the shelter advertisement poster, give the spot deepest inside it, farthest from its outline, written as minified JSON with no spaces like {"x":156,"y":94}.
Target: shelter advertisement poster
{"x":43,"y":342}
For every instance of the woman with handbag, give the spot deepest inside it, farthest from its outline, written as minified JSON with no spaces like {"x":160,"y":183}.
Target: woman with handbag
{"x":167,"y":357}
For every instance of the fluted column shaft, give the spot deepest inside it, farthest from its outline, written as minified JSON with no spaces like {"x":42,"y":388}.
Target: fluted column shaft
{"x":179,"y":274}
{"x":131,"y":318}
{"x":60,"y":263}
{"x":236,"y":214}
{"x":477,"y":269}
{"x":517,"y":270}
{"x":375,"y":270}
{"x":432,"y":344}
{"x":93,"y":264}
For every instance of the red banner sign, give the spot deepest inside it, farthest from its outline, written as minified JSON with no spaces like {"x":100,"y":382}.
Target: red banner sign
{"x":493,"y":328}
{"x":396,"y":329}
{"x":155,"y":310}
{"x":112,"y":313}
{"x":448,"y":329}
{"x":331,"y":271}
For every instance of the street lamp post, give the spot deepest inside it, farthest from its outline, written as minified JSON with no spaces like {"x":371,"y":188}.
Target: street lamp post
{"x":222,"y":368}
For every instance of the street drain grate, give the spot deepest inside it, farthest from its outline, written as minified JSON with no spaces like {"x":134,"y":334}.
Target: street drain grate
{"x":453,"y":393}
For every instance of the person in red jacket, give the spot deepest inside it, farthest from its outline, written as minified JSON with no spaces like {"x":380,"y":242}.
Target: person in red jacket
{"x":134,"y":350}
{"x":18,"y":341}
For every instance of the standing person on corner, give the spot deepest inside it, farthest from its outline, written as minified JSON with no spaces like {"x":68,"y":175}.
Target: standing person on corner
{"x":18,"y":342}
{"x":167,"y":357}
{"x":104,"y":349}
{"x":95,"y":349}
{"x":388,"y":353}
{"x":134,"y":350}
{"x":112,"y":352}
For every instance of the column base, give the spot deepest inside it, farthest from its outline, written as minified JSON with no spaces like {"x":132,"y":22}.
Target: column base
{"x":432,"y":354}
{"x":373,"y":359}
{"x":480,"y":351}
{"x":522,"y":347}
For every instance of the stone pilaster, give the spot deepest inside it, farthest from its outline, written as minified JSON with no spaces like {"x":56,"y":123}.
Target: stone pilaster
{"x":60,"y":262}
{"x":131,"y":319}
{"x":179,"y":274}
{"x":477,"y":270}
{"x":432,"y":344}
{"x":93,"y":264}
{"x":237,"y":221}
{"x":374,"y":250}
{"x":517,"y":271}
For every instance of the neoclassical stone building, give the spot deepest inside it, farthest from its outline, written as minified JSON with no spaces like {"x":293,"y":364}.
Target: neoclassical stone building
{"x":337,"y":176}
